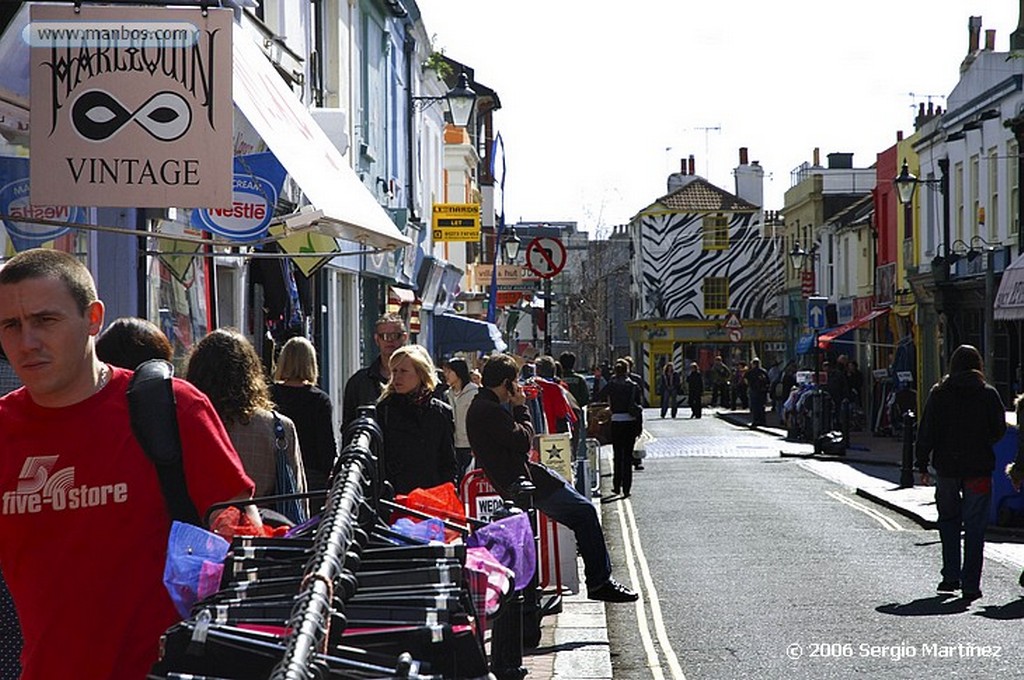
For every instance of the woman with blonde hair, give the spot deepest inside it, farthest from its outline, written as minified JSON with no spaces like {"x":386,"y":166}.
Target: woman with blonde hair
{"x":297,"y":396}
{"x":225,"y":367}
{"x":419,"y":429}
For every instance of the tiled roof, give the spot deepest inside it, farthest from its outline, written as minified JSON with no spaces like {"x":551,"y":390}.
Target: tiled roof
{"x":701,"y":195}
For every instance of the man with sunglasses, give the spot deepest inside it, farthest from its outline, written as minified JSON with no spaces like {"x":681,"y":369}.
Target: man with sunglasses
{"x":365,"y":385}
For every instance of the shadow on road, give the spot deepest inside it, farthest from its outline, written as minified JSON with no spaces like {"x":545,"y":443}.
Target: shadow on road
{"x":1006,"y":612}
{"x":936,"y":605}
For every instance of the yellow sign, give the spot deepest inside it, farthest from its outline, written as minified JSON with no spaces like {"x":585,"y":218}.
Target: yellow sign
{"x":307,"y":242}
{"x":456,"y":221}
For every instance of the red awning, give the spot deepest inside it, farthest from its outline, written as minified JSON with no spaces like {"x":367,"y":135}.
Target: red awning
{"x":826,"y":338}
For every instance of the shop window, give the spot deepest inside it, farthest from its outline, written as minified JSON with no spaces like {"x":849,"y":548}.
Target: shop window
{"x":716,"y":295}
{"x":716,"y":232}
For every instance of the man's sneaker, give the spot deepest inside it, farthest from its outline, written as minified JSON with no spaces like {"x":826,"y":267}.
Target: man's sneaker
{"x":612,"y":591}
{"x":948,"y":587}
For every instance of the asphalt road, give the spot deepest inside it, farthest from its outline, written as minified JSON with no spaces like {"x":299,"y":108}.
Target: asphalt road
{"x":752,"y":566}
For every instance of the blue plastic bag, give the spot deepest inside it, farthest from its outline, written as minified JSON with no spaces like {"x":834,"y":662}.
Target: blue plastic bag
{"x":195,"y":562}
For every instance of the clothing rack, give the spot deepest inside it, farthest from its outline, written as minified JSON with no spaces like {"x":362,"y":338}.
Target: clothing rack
{"x":334,"y":536}
{"x":345,"y":596}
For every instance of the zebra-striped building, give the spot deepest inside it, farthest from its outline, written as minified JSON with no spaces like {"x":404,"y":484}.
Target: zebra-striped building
{"x":707,"y":276}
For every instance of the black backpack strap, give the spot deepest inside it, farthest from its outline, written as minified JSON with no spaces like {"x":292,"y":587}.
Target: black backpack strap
{"x":154,"y":419}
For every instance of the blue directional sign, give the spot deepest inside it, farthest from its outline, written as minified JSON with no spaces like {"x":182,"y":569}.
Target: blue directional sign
{"x":816,"y":313}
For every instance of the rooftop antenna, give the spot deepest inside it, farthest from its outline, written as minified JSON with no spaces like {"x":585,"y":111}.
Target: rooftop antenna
{"x":927,"y":97}
{"x":707,"y":152}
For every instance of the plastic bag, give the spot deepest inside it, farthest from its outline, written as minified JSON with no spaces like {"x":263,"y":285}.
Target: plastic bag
{"x":195,"y":562}
{"x":510,"y":541}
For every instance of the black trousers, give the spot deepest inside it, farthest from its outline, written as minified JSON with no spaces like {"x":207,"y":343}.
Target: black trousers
{"x":624,"y":434}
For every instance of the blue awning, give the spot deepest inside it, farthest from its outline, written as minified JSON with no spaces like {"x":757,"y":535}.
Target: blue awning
{"x":454,"y":333}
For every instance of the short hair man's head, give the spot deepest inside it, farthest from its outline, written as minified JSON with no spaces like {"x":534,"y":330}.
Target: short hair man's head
{"x":546,"y":367}
{"x":389,"y":334}
{"x":49,"y":317}
{"x":40,"y":263}
{"x":498,"y":369}
{"x":568,"y":361}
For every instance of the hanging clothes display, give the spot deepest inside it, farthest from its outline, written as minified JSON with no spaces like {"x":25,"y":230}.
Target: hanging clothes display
{"x":344,"y":594}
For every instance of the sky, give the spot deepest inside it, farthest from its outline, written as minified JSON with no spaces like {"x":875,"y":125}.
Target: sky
{"x":600,"y":100}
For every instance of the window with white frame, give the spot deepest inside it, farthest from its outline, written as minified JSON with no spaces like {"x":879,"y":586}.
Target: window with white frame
{"x":1013,"y":186}
{"x":992,"y":213}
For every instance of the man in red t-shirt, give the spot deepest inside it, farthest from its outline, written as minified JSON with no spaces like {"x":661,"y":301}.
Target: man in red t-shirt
{"x":83,"y":523}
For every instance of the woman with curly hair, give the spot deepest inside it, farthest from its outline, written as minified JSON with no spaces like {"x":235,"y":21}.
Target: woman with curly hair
{"x":226,"y":368}
{"x":419,"y":429}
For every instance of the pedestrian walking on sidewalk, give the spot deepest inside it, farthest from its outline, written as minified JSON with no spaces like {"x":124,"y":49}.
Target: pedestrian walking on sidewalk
{"x":668,"y":389}
{"x":501,"y":439}
{"x":695,"y":390}
{"x":720,"y":375}
{"x":963,"y":418}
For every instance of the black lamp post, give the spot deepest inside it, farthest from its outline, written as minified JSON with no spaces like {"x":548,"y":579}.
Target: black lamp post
{"x":800,"y":257}
{"x":461,"y":101}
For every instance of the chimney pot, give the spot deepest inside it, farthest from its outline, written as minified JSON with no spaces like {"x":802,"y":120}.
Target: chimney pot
{"x":692,"y":164}
{"x":973,"y":34}
{"x":990,"y":40}
{"x":682,"y":166}
{"x":817,"y":157}
{"x":899,"y":135}
{"x":743,"y":155}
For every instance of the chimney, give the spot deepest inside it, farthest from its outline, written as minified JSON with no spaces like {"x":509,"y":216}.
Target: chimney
{"x":1017,"y":37}
{"x":692,"y":172}
{"x":899,"y":135}
{"x":990,"y":40}
{"x":974,"y":34}
{"x":682,"y":166}
{"x":749,"y":180}
{"x":816,"y":158}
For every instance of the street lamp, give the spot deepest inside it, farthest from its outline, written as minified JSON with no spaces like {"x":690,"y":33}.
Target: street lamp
{"x":800,"y":257}
{"x":461,"y":101}
{"x":988,"y":338}
{"x":906,"y":184}
{"x":510,"y":246}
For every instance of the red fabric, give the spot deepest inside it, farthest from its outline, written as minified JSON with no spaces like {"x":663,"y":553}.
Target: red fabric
{"x":231,"y":522}
{"x":556,"y":406}
{"x":439,"y":501}
{"x":87,"y":577}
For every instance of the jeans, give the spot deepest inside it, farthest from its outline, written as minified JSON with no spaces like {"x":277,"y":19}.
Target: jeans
{"x":963,"y":502}
{"x":669,"y":400}
{"x":566,"y":506}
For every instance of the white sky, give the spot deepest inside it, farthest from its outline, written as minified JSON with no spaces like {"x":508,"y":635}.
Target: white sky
{"x":600,"y":100}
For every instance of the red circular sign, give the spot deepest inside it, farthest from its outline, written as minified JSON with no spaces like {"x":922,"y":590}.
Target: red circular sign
{"x":545,"y":256}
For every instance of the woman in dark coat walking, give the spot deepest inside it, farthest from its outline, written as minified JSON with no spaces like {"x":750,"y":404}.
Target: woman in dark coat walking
{"x":623,"y":395}
{"x":419,"y":429}
{"x":962,"y":419}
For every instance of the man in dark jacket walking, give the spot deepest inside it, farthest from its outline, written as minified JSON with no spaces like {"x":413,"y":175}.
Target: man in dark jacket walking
{"x":366,"y":384}
{"x":962,"y":419}
{"x":501,"y":440}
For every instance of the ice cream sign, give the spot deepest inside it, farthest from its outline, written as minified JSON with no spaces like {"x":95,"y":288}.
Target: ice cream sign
{"x":257,"y":182}
{"x":20,"y":216}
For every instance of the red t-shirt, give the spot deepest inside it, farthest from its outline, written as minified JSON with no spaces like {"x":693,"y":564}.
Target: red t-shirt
{"x":83,"y":527}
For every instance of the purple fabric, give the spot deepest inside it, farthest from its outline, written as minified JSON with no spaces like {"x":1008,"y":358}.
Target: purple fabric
{"x":510,"y":541}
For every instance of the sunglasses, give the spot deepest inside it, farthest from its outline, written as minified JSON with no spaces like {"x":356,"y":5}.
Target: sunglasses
{"x":391,"y":337}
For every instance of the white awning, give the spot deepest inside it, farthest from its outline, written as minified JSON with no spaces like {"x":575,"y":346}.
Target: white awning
{"x":1009,"y":304}
{"x":350,"y":211}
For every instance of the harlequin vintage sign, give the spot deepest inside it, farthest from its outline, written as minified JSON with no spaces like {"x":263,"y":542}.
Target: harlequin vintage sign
{"x":130,"y":106}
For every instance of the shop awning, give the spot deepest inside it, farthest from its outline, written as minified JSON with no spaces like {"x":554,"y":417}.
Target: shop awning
{"x":1009,"y":304}
{"x":349,"y":210}
{"x":826,"y":338}
{"x":454,"y":333}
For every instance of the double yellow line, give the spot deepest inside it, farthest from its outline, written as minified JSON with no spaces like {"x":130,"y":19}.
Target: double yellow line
{"x":642,"y":582}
